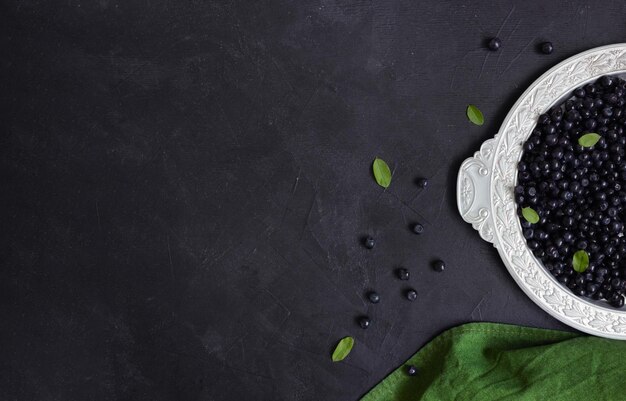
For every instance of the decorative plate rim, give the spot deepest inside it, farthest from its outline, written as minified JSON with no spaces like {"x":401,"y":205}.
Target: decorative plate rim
{"x":485,"y":192}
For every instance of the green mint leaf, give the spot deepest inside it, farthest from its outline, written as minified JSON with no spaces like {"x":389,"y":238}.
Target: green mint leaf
{"x":343,"y":349}
{"x":588,"y":140}
{"x":530,"y":215}
{"x":381,"y":172}
{"x":475,"y":115}
{"x":580,"y":261}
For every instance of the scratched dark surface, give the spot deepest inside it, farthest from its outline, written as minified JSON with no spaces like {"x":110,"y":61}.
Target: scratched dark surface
{"x":185,"y":185}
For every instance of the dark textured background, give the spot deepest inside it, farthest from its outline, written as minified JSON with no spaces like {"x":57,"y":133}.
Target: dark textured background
{"x":184,"y":186}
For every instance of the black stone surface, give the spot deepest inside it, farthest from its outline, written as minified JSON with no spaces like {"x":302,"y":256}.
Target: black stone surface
{"x":185,"y":186}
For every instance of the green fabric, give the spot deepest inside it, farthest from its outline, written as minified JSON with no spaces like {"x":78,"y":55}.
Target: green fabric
{"x":488,"y":361}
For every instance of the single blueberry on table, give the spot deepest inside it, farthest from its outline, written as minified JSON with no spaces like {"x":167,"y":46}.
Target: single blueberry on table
{"x":418,"y":228}
{"x":422,"y":182}
{"x":369,"y":242}
{"x":411,"y":370}
{"x":494,"y":44}
{"x":403,"y":274}
{"x":439,"y":266}
{"x":364,"y":322}
{"x":547,"y":48}
{"x":373,"y":297}
{"x":411,"y":295}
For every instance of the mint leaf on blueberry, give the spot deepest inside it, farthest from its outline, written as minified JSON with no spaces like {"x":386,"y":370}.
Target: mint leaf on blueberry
{"x":588,"y":140}
{"x":530,"y":215}
{"x":580,"y":261}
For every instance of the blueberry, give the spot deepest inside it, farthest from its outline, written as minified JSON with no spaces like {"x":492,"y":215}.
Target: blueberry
{"x":418,"y":228}
{"x":411,"y":295}
{"x":566,"y":195}
{"x":550,"y":130}
{"x":616,"y":300}
{"x":494,"y":44}
{"x":606,"y":81}
{"x":611,"y":98}
{"x":422,"y":182}
{"x":369,"y":242}
{"x":591,"y":288}
{"x":439,"y":265}
{"x":616,"y":283}
{"x":590,"y":89}
{"x":373,"y":297}
{"x":588,"y":103}
{"x":411,"y":370}
{"x":364,"y":322}
{"x":546,"y":48}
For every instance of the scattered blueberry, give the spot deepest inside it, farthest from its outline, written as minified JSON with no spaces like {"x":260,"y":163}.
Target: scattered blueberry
{"x":403,"y":274}
{"x":411,"y":295}
{"x":418,"y":228}
{"x":364,"y":322}
{"x":422,"y":182}
{"x":373,"y":297}
{"x":369,"y":242}
{"x":411,"y":370}
{"x":494,"y":44}
{"x":546,"y":48}
{"x":439,"y":265}
{"x":579,"y":192}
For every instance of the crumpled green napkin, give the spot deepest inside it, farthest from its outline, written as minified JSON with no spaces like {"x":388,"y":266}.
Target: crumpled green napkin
{"x":489,"y":361}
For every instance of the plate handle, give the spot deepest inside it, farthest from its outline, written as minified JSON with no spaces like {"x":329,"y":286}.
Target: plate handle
{"x":473,"y":191}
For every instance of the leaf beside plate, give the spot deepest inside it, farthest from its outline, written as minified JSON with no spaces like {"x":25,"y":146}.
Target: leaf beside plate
{"x":475,"y":115}
{"x":343,"y":348}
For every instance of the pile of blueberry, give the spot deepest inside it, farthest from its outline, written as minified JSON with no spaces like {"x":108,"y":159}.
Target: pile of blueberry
{"x":579,"y":192}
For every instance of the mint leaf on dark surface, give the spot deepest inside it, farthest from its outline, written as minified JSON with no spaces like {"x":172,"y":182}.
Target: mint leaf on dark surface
{"x":381,"y":172}
{"x":343,"y":348}
{"x":475,"y":115}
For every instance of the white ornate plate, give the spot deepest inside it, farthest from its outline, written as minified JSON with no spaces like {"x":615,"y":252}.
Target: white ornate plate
{"x":485,"y":192}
